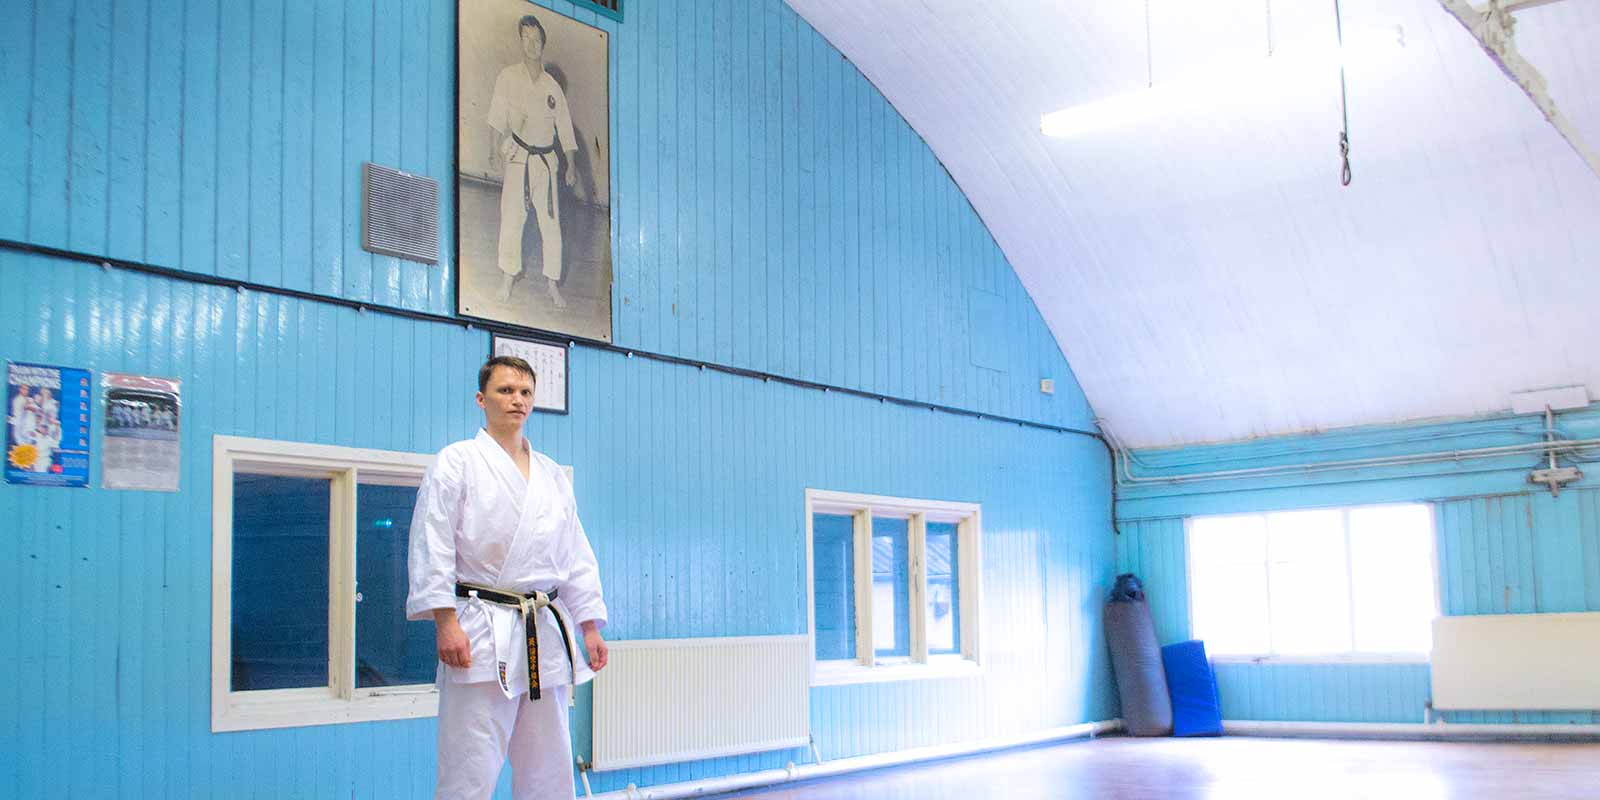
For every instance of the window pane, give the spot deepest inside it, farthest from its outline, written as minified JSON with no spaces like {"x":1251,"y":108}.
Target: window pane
{"x":1391,"y":567}
{"x":891,"y":587}
{"x":1310,"y":588}
{"x":833,"y":569}
{"x":389,"y":650}
{"x":1229,"y":540}
{"x":280,"y":582}
{"x":1230,"y":609}
{"x":1229,"y":584}
{"x":944,"y":603}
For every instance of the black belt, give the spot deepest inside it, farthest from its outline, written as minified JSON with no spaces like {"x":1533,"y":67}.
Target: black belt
{"x":527,"y":177}
{"x":529,"y":604}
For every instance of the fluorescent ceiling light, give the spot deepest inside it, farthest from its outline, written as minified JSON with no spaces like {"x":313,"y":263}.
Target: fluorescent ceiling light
{"x":1209,"y":87}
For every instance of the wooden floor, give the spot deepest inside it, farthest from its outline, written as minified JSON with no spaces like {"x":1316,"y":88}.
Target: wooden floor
{"x":1234,"y":768}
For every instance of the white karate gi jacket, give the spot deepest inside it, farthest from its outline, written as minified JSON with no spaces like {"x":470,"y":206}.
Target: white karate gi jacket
{"x":478,"y":521}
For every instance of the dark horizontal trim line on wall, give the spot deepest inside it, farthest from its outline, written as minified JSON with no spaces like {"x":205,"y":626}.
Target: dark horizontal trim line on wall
{"x":513,"y":330}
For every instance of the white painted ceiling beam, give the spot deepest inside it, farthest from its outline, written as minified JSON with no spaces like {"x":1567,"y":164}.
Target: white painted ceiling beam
{"x":1518,"y":5}
{"x":1494,"y":28}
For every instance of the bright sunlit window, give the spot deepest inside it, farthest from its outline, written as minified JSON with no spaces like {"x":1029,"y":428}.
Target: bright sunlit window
{"x":1329,"y":582}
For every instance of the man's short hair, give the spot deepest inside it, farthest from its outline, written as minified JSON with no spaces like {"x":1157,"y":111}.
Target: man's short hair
{"x":531,"y":21}
{"x":510,"y":362}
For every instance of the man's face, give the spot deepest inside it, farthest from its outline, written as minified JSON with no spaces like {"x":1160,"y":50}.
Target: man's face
{"x":22,"y":391}
{"x":44,"y":394}
{"x":532,"y":44}
{"x":507,"y":398}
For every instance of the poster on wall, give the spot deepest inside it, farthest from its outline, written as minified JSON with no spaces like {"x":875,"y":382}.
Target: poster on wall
{"x":142,"y":418}
{"x":533,"y":182}
{"x":549,"y":362}
{"x":47,"y":425}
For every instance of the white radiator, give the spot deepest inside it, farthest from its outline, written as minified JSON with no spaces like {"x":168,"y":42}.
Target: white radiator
{"x":1517,"y":662}
{"x":667,"y":700}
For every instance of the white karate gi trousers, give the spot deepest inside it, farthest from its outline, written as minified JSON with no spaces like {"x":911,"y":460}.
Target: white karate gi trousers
{"x":544,"y":190}
{"x":479,"y":726}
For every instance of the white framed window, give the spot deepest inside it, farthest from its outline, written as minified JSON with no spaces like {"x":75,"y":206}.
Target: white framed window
{"x":1332,"y":584}
{"x":308,"y":587}
{"x":893,"y":587}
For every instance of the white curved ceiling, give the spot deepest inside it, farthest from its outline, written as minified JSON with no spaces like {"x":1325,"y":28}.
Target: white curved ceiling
{"x":1204,"y":272}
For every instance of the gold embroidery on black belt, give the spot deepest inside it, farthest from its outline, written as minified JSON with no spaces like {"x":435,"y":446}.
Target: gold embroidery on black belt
{"x":528,"y":604}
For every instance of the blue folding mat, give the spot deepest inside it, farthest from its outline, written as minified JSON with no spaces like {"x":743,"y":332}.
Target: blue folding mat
{"x":1196,"y":711}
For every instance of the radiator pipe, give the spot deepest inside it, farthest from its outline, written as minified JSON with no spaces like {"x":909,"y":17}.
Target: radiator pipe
{"x":771,"y":777}
{"x":583,"y":772}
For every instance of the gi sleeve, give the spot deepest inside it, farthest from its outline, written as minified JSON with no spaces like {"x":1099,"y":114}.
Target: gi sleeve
{"x":569,"y":140}
{"x":434,"y":525}
{"x":499,"y":116}
{"x":581,"y":590}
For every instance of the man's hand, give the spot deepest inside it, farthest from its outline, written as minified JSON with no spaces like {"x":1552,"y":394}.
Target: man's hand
{"x":455,"y":649}
{"x":595,"y":644}
{"x":569,"y":175}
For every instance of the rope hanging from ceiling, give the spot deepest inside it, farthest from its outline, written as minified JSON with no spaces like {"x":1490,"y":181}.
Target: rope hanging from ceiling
{"x":1344,"y":110}
{"x":1149,"y":54}
{"x":1269,"y":28}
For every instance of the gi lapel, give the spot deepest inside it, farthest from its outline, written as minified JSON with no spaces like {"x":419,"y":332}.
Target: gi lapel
{"x":504,"y":623}
{"x":537,"y":499}
{"x":500,"y":463}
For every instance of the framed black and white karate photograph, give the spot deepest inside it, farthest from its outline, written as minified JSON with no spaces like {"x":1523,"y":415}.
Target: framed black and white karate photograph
{"x":533,"y":177}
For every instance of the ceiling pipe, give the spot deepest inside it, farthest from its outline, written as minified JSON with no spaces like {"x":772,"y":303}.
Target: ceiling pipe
{"x":1553,"y":448}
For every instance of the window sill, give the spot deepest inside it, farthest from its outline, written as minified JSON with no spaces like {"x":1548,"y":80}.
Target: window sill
{"x":839,"y":673}
{"x":295,"y":708}
{"x":1332,"y":658}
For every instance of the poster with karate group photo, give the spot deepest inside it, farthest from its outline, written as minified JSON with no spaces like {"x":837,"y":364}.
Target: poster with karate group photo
{"x":47,"y":425}
{"x":142,"y":423}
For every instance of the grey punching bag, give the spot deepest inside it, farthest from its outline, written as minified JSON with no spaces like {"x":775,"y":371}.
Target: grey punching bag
{"x":1136,"y":661}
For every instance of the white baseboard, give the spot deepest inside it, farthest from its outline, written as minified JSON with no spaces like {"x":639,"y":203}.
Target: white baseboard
{"x":1415,"y":731}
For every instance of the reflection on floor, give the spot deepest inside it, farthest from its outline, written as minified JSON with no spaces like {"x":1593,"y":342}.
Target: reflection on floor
{"x":1233,"y":768}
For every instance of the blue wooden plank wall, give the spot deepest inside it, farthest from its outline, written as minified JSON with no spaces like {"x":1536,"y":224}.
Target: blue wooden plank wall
{"x":691,"y":483}
{"x":771,"y":210}
{"x":1501,"y":549}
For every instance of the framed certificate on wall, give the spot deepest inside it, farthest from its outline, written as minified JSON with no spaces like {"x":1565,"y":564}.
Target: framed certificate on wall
{"x":549,"y":361}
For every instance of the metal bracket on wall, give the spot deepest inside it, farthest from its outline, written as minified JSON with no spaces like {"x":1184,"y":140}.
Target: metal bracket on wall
{"x":1553,"y":477}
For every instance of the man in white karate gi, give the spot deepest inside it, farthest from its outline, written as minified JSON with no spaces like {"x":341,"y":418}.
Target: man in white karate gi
{"x":21,"y":417}
{"x":49,"y":407}
{"x":530,"y":120}
{"x":500,"y":563}
{"x":46,"y":439}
